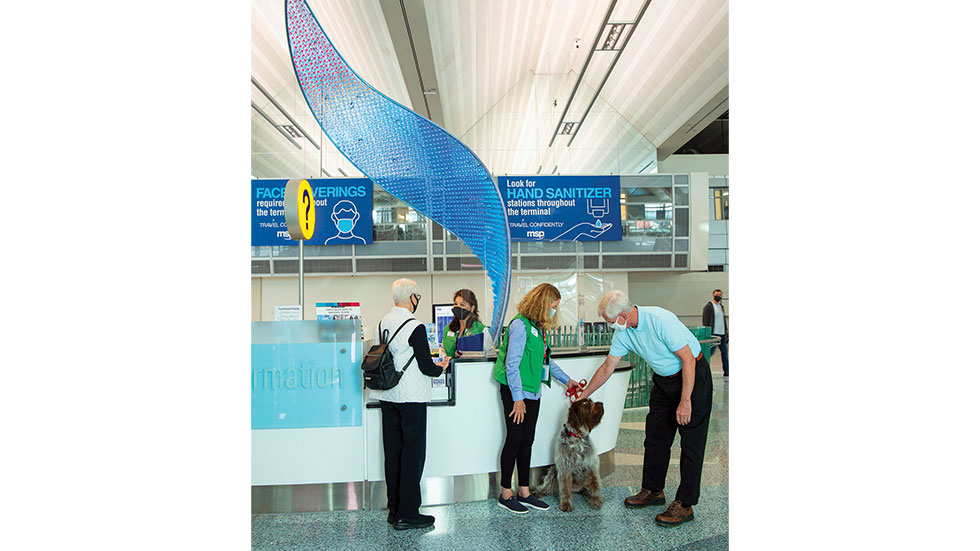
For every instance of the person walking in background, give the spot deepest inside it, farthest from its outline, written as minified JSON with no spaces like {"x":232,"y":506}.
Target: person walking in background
{"x":713,"y":316}
{"x":403,"y":407}
{"x":520,"y":370}
{"x":466,"y":322}
{"x":680,"y":399}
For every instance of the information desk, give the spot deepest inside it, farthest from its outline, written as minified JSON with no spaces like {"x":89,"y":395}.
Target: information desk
{"x":340,"y":463}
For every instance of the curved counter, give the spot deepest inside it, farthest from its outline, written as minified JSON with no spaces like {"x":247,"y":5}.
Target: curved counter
{"x":342,"y":467}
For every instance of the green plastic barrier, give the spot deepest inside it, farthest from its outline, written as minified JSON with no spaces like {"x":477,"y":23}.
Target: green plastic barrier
{"x":702,"y":333}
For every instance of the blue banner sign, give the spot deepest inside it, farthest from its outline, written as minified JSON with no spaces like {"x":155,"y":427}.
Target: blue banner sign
{"x":343,"y":212}
{"x":562,"y":208}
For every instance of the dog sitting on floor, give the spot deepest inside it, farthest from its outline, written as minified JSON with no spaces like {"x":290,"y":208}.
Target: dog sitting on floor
{"x":576,"y":465}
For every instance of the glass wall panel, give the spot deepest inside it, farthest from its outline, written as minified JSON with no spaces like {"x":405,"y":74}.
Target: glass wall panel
{"x":638,"y":244}
{"x":392,"y":248}
{"x":281,"y":251}
{"x":682,"y":222}
{"x":327,"y":250}
{"x":681,"y":195}
{"x":457,"y":247}
{"x":539,"y":247}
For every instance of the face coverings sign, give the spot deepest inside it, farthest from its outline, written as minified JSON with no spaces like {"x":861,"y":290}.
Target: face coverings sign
{"x":562,"y":208}
{"x":343,"y":212}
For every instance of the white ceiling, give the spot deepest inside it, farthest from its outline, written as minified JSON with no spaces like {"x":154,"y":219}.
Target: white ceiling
{"x":500,"y":68}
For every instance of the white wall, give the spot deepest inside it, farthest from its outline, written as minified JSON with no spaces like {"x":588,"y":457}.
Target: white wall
{"x":580,"y":293}
{"x":699,"y":217}
{"x":372,"y":291}
{"x":714,"y":165}
{"x":684,"y":293}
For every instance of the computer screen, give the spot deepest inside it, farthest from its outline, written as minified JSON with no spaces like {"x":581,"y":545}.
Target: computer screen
{"x":442,"y":315}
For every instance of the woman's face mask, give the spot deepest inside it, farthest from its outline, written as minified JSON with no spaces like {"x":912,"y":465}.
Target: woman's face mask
{"x":460,"y":312}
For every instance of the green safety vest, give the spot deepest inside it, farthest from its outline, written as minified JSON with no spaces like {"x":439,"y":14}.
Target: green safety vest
{"x":532,"y":362}
{"x":449,"y":338}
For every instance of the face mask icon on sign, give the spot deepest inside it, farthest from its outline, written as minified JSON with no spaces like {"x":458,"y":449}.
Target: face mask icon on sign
{"x":345,"y":217}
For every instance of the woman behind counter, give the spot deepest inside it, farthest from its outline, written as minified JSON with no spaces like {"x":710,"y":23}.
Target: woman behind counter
{"x":520,"y":369}
{"x":466,"y":322}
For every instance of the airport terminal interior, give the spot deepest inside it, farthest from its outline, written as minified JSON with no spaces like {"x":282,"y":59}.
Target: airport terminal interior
{"x":597,"y":131}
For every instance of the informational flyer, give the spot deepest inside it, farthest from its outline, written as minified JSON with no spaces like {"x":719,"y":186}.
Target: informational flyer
{"x":562,"y":208}
{"x":343,"y":212}
{"x":289,"y":313}
{"x":442,"y":314}
{"x":338,"y":310}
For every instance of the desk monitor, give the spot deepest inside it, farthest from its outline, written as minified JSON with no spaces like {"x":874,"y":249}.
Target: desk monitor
{"x":442,"y":315}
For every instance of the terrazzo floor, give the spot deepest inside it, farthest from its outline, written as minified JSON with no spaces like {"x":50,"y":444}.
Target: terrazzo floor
{"x":484,"y":526}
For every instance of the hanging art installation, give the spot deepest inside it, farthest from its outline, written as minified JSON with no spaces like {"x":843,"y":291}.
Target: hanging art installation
{"x":406,"y":154}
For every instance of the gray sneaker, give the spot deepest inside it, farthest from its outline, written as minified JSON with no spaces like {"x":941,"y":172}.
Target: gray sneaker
{"x":534,"y":502}
{"x":512,"y":505}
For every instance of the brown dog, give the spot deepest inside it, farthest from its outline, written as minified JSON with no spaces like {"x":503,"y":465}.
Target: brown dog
{"x":576,"y":465}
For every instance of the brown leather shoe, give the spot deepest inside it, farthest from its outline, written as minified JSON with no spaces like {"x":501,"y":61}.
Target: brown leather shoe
{"x":675,"y":514}
{"x":644,"y":498}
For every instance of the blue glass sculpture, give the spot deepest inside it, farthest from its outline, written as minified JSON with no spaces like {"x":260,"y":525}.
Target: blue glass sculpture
{"x":406,"y":154}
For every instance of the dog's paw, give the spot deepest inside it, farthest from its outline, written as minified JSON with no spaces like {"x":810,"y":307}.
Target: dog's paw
{"x":566,"y":507}
{"x":595,"y":503}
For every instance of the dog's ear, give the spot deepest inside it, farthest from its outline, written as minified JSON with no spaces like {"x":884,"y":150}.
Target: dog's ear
{"x":577,"y":414}
{"x":596,"y":410}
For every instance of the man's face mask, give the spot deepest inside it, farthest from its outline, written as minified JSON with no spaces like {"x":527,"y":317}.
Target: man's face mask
{"x":619,"y":326}
{"x":345,"y":225}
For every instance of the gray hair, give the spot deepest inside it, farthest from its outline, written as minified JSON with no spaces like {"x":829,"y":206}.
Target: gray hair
{"x":402,"y":290}
{"x":613,"y":303}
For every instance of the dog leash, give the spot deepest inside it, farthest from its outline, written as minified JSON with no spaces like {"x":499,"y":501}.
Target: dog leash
{"x":573,"y":393}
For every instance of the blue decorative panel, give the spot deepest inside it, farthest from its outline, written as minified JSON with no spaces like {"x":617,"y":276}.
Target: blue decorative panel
{"x":406,"y":154}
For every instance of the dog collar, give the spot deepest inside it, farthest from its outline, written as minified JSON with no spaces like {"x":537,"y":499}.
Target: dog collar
{"x":571,"y":432}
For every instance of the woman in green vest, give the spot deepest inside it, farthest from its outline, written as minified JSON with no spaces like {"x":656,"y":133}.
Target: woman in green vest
{"x":466,"y":322}
{"x":520,"y":370}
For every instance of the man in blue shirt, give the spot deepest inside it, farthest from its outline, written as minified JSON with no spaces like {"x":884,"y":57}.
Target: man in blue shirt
{"x":680,"y":399}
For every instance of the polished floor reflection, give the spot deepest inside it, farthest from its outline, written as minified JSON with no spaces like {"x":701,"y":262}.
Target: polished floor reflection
{"x":483,"y":525}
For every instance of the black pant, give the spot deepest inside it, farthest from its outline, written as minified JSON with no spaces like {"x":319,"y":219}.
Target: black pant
{"x":517,"y":445}
{"x":661,"y":426}
{"x":403,"y":437}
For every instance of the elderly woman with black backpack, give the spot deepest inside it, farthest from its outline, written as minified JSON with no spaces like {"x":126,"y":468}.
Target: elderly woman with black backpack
{"x":403,"y":406}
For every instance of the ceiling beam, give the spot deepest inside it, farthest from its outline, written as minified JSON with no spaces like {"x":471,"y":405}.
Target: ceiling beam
{"x":409,"y":32}
{"x":704,"y":116}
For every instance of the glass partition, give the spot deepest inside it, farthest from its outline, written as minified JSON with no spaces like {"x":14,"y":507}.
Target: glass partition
{"x":306,"y":374}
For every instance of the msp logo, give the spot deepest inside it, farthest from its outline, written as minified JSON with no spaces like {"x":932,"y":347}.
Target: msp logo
{"x":536,"y":234}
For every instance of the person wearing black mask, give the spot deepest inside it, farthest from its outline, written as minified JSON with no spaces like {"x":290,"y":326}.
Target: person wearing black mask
{"x":466,"y":322}
{"x":713,"y":316}
{"x":404,"y":407}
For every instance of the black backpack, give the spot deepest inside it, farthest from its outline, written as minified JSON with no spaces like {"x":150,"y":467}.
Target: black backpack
{"x":379,"y":365}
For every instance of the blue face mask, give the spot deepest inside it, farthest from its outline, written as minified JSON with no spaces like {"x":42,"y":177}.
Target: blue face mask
{"x":345,"y":225}
{"x":552,"y":312}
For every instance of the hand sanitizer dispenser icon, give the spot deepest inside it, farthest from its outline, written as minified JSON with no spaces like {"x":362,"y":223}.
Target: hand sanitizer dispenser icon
{"x":597,"y":208}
